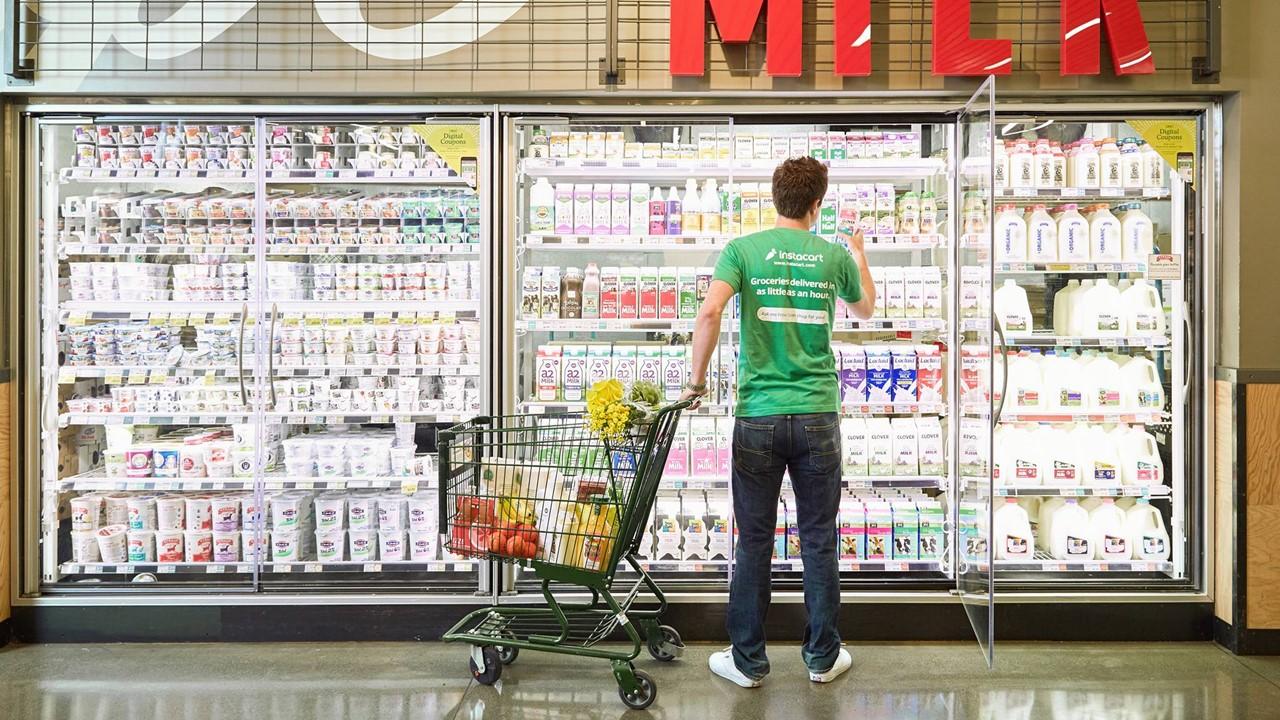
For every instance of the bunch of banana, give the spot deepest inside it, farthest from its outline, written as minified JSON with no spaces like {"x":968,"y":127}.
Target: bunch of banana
{"x":517,"y":511}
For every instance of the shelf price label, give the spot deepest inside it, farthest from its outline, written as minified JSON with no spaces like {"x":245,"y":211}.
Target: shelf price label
{"x":215,"y":569}
{"x":66,"y":376}
{"x":222,"y":318}
{"x":158,"y":319}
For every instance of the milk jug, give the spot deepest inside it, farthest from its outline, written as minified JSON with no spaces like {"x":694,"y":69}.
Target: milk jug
{"x":1013,"y":537}
{"x":1137,"y":233}
{"x":542,"y":199}
{"x":1025,"y":384}
{"x":691,"y":206}
{"x":1044,"y":521}
{"x":1042,"y":236}
{"x":1103,"y":458}
{"x":1061,"y":463}
{"x":1066,"y":388}
{"x":1062,"y":307}
{"x":1104,"y":236}
{"x":1152,"y":167}
{"x":1071,"y":533}
{"x":1080,"y":309}
{"x":1143,"y":309}
{"x":1012,"y":308}
{"x":1147,"y":535}
{"x":1103,"y":312}
{"x":1110,"y":539}
{"x":1011,"y":236}
{"x":1109,"y":158}
{"x":1022,"y":165}
{"x":1131,"y":166}
{"x":1073,"y":235}
{"x":1106,"y":384}
{"x":1087,"y":173}
{"x":1000,"y":170}
{"x":1140,"y":462}
{"x":1044,"y":163}
{"x":1142,"y":387}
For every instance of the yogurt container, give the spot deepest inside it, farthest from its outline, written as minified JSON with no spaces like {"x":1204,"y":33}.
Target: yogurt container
{"x":198,"y":546}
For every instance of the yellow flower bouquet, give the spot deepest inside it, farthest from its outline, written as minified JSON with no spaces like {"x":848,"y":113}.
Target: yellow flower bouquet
{"x":614,"y":412}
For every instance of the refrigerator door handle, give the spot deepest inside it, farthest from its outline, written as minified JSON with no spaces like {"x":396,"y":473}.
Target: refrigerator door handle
{"x":271,"y":356}
{"x":244,"y":397}
{"x":1188,"y":353}
{"x":1004,"y":375}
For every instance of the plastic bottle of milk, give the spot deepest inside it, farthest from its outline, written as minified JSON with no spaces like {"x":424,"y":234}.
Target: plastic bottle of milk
{"x":1012,"y":308}
{"x":1152,"y":167}
{"x":1131,"y":165}
{"x":1104,"y":457}
{"x":1147,"y":535}
{"x":657,"y":212}
{"x":1000,"y":170}
{"x":691,"y":205}
{"x":1110,"y":539}
{"x":1018,"y":460}
{"x":1073,"y":235}
{"x":1087,"y":172}
{"x":711,"y":210}
{"x":542,"y":213}
{"x":1105,"y":314}
{"x":1042,"y":236}
{"x":1025,"y":384}
{"x":1044,"y":163}
{"x":1104,"y":236}
{"x":1137,"y":233}
{"x":1044,"y":521}
{"x":1061,"y":464}
{"x":1066,"y":388}
{"x":1012,"y":535}
{"x":1140,"y":462}
{"x":1143,"y":389}
{"x":1059,"y":166}
{"x":1106,"y":384}
{"x":1071,"y":533}
{"x":1022,"y":166}
{"x":1011,"y":235}
{"x":1109,"y":156}
{"x":1063,"y":307}
{"x":1081,"y":311}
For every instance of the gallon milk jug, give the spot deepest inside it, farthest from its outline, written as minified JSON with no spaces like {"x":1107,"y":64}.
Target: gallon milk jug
{"x":1140,"y":462}
{"x":1103,"y":458}
{"x":1143,"y":309}
{"x":1106,"y":384}
{"x":1001,"y":466}
{"x":1137,"y":234}
{"x":1071,"y":537}
{"x":1025,"y":384}
{"x":1062,"y":464}
{"x":1044,"y":521}
{"x":1110,"y":539}
{"x":1090,"y":503}
{"x":1080,"y":309}
{"x":1018,"y":457}
{"x":1066,"y":388}
{"x":1012,"y":308}
{"x":1013,"y":537}
{"x":1146,"y":532}
{"x":1126,"y":503}
{"x":1073,"y":235}
{"x":1011,"y":235}
{"x":1104,"y":236}
{"x":1143,"y":390}
{"x":1042,"y":236}
{"x":1062,"y":307}
{"x":1104,"y":313}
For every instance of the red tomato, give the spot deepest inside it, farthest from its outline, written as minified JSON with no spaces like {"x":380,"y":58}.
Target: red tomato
{"x":530,"y":549}
{"x":515,"y":547}
{"x":528,"y":533}
{"x":497,"y":544}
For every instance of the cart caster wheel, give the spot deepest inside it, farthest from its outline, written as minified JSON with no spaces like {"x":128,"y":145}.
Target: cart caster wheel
{"x":644,"y":694}
{"x":668,"y":646}
{"x":492,"y":669}
{"x":508,"y":655}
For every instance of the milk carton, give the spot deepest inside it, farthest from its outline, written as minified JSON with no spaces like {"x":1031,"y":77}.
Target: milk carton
{"x":895,"y":292}
{"x":743,"y":146}
{"x":750,"y":207}
{"x":667,"y":530}
{"x":877,"y":279}
{"x":551,"y":293}
{"x":564,"y":207}
{"x":719,"y":529}
{"x":625,"y":363}
{"x":903,"y":361}
{"x":827,"y":214}
{"x":906,"y":448}
{"x":853,"y":446}
{"x":649,"y":363}
{"x":724,"y":446}
{"x":793,"y":531}
{"x":638,"y":209}
{"x":628,"y":292}
{"x":531,"y":293}
{"x":609,"y":298}
{"x":686,"y":281}
{"x":906,"y":530}
{"x":668,"y":293}
{"x":933,"y":539}
{"x":599,"y":363}
{"x":620,"y":208}
{"x":601,"y":208}
{"x":673,"y":369}
{"x":678,"y":458}
{"x":879,"y":447}
{"x":929,"y":374}
{"x":931,"y":291}
{"x":693,"y":525}
{"x":702,"y":443}
{"x":879,"y":530}
{"x":913,"y":291}
{"x":853,"y":529}
{"x":780,"y":532}
{"x":974,"y":440}
{"x":853,"y":374}
{"x":548,"y":372}
{"x":573,"y":360}
{"x":648,"y":297}
{"x":879,"y":374}
{"x":582,"y":209}
{"x":930,"y":446}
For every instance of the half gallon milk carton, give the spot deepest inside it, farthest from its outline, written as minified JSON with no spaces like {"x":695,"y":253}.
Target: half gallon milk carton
{"x":906,"y":449}
{"x":693,"y":508}
{"x":625,"y":363}
{"x":702,"y":444}
{"x":879,"y":530}
{"x":906,"y":530}
{"x":879,"y":360}
{"x":574,"y":364}
{"x":724,"y":446}
{"x":853,"y":374}
{"x":649,"y":364}
{"x":853,"y":529}
{"x":929,"y":374}
{"x":895,"y":292}
{"x":599,"y":362}
{"x":853,"y":446}
{"x":972,"y":543}
{"x":678,"y":458}
{"x":930,"y":446}
{"x":531,"y":293}
{"x":879,"y":446}
{"x":550,"y":293}
{"x":667,"y":530}
{"x":548,"y":369}
{"x":719,"y":529}
{"x":933,"y":539}
{"x":673,"y":367}
{"x":903,"y":360}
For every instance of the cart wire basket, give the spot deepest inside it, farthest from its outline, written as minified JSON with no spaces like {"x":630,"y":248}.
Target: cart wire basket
{"x":547,"y":493}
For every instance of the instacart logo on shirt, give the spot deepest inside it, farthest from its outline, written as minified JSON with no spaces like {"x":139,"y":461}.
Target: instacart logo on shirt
{"x":786,"y":257}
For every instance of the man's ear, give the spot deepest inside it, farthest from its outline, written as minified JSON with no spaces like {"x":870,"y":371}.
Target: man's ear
{"x":816,"y":209}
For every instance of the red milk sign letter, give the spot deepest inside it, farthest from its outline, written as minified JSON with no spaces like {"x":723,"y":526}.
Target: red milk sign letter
{"x":1081,"y":39}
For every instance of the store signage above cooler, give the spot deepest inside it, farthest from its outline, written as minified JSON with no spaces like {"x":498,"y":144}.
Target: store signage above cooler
{"x":955,"y":50}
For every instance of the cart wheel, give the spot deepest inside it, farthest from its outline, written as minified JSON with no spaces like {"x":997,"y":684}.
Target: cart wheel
{"x":643,"y":696}
{"x":492,"y":667}
{"x":668,"y":646}
{"x":507,"y":654}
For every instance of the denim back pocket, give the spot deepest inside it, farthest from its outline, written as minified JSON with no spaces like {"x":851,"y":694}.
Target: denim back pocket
{"x":824,"y":446}
{"x":752,"y":443}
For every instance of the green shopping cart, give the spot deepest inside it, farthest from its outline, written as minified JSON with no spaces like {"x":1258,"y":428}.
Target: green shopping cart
{"x":545,"y":492}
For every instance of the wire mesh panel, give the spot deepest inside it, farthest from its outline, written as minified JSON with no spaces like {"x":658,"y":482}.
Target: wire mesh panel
{"x":453,"y":46}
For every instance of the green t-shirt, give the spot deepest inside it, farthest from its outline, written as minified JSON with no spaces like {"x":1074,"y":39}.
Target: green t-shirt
{"x":788,"y":281}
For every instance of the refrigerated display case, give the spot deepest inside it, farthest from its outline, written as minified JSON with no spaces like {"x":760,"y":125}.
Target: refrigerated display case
{"x":250,"y":329}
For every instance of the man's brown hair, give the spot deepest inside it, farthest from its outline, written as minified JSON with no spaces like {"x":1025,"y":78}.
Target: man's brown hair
{"x":797,"y":184}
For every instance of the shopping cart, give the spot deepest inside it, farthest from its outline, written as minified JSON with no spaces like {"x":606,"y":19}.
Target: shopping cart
{"x":545,"y":492}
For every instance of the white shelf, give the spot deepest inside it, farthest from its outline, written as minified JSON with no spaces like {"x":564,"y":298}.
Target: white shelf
{"x":849,"y":482}
{"x":887,"y":409}
{"x":1071,"y":194}
{"x":703,"y":243}
{"x":792,"y":566}
{"x":246,"y":567}
{"x":1147,"y":491}
{"x":1091,"y":416}
{"x":121,"y":373}
{"x":419,"y":176}
{"x":118,"y":308}
{"x":661,"y":169}
{"x":1067,"y":268}
{"x":223,"y":418}
{"x":1083,"y":567}
{"x":98,"y":480}
{"x":895,"y":324}
{"x":1148,"y":341}
{"x":129,"y":249}
{"x":540,"y":407}
{"x":576,"y":325}
{"x":175,"y":178}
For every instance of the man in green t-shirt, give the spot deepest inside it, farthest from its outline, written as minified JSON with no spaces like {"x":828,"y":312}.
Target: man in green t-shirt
{"x":788,"y":412}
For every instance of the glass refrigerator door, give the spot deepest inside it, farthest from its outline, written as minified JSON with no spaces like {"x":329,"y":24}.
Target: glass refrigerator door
{"x":980,"y":533}
{"x":151,"y":404}
{"x":373,"y":255}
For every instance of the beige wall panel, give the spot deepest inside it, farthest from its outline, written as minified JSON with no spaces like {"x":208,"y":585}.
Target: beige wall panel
{"x":1223,"y":499}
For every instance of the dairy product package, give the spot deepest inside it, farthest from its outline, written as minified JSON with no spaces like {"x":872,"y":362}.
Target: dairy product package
{"x":624,"y":363}
{"x":903,"y":361}
{"x":548,"y":372}
{"x":975,"y":375}
{"x":930,"y":446}
{"x":693,"y":525}
{"x":647,"y":538}
{"x":780,"y":532}
{"x":853,"y":374}
{"x":582,"y":208}
{"x":667,"y":530}
{"x":673,"y":369}
{"x":906,"y":448}
{"x":853,"y":529}
{"x":973,"y":449}
{"x":933,"y":539}
{"x":531,"y":293}
{"x":628,"y":292}
{"x":929,"y":374}
{"x":638,"y":209}
{"x":895,"y":300}
{"x":906,"y":530}
{"x":550,"y":292}
{"x":599,"y":363}
{"x":609,"y":298}
{"x":853,"y":446}
{"x":879,"y":447}
{"x":649,"y":363}
{"x":687,"y":290}
{"x":879,"y":530}
{"x":879,"y":362}
{"x":719,"y":529}
{"x":877,"y":278}
{"x":972,"y":545}
{"x":724,"y":446}
{"x":678,"y":458}
{"x":648,"y":296}
{"x":913,"y":292}
{"x":573,"y":362}
{"x":702,"y":444}
{"x":668,"y":293}
{"x":564,"y":208}
{"x":793,"y":531}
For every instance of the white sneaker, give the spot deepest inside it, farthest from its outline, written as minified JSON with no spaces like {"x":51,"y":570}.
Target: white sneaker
{"x":723,"y":665}
{"x":843,"y":662}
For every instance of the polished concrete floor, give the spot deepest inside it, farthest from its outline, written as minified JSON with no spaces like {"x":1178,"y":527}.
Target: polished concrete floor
{"x":402,"y":681}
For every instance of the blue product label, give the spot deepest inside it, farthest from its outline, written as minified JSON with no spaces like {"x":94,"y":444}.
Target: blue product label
{"x":904,"y":383}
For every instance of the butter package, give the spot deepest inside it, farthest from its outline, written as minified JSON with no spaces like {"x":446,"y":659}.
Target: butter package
{"x":933,"y":539}
{"x":879,"y":530}
{"x":879,"y":361}
{"x":879,"y":447}
{"x":853,"y":529}
{"x":906,"y":531}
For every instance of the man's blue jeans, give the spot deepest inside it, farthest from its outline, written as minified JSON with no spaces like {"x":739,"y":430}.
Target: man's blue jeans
{"x":807,"y":447}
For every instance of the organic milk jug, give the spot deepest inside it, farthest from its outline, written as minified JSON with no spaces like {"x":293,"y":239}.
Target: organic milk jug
{"x":1071,"y":533}
{"x":1147,"y":535}
{"x":1106,"y":384}
{"x":1143,"y":309}
{"x":1110,"y":539}
{"x":1012,"y":308}
{"x":542,"y":213}
{"x":1061,"y":462}
{"x":1011,"y":236}
{"x":1073,"y":235}
{"x":1143,"y":390}
{"x":1042,"y":236}
{"x":1137,"y":234}
{"x":1104,"y":236}
{"x":1103,"y":314}
{"x":1044,"y":521}
{"x":1140,"y":462}
{"x":1013,"y":537}
{"x":1062,"y":307}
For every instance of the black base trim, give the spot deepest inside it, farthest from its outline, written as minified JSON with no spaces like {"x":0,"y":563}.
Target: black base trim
{"x":6,"y":631}
{"x":1247,"y":642}
{"x":884,"y":622}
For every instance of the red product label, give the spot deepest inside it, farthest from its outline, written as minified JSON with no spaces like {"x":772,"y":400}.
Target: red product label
{"x":648,"y":299}
{"x":1027,"y":472}
{"x":668,"y":298}
{"x":609,"y":298}
{"x":627,"y":308}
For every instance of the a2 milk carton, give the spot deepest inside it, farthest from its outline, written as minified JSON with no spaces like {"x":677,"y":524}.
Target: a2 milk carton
{"x":674,"y":362}
{"x":574,"y":363}
{"x":625,"y":363}
{"x":548,"y":372}
{"x":599,"y":363}
{"x":649,"y":364}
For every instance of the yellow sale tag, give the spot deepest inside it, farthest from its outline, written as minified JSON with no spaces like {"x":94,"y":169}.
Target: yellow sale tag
{"x":137,"y":378}
{"x":66,"y":376}
{"x":292,"y":319}
{"x":222,"y":318}
{"x":158,"y":376}
{"x":382,"y":318}
{"x":76,"y":319}
{"x":409,"y":486}
{"x":114,"y":378}
{"x":210,"y":377}
{"x":158,"y":319}
{"x":197,"y":319}
{"x":179,"y":319}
